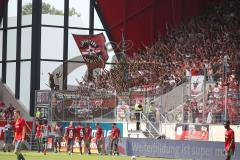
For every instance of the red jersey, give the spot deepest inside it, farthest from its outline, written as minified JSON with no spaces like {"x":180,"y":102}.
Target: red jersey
{"x":88,"y":133}
{"x":39,"y":131}
{"x":80,"y":132}
{"x":99,"y":133}
{"x":115,"y":133}
{"x":19,"y":125}
{"x":70,"y":132}
{"x":229,"y":135}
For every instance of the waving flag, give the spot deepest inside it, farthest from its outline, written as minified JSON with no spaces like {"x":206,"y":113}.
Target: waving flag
{"x":92,"y":48}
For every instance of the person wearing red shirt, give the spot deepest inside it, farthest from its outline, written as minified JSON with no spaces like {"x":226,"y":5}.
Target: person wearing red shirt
{"x":80,"y":135}
{"x":20,"y":131}
{"x":38,"y":135}
{"x":99,"y":138}
{"x":229,"y":141}
{"x":88,"y":137}
{"x":70,"y":137}
{"x":115,"y":135}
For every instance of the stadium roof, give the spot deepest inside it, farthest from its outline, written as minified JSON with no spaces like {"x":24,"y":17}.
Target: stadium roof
{"x":142,"y":20}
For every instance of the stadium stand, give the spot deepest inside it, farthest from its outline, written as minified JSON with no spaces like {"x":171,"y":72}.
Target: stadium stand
{"x":207,"y":46}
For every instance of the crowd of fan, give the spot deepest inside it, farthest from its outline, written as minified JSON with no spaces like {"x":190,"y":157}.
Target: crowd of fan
{"x":213,"y":111}
{"x":208,"y":43}
{"x":6,"y":112}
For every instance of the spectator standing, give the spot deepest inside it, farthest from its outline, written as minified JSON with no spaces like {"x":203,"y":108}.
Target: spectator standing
{"x":38,"y":115}
{"x":138,"y":110}
{"x":51,"y":81}
{"x":57,"y":81}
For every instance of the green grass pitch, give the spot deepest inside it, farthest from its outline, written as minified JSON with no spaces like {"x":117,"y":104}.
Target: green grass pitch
{"x":65,"y":156}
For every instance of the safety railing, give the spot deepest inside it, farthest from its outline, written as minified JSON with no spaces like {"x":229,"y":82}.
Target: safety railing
{"x":150,"y":128}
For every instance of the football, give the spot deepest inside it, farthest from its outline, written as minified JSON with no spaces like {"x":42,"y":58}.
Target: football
{"x":133,"y":158}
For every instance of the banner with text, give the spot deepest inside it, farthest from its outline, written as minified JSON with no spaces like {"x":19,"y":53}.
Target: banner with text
{"x":194,"y":150}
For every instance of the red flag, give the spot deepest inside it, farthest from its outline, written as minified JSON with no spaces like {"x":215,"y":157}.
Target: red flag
{"x":92,"y":48}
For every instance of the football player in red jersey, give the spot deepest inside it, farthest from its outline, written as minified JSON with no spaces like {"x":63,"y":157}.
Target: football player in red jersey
{"x":229,"y":141}
{"x":80,"y":135}
{"x":88,"y":137}
{"x":99,"y":138}
{"x":38,"y":135}
{"x":20,"y":131}
{"x":115,"y":135}
{"x":70,"y":137}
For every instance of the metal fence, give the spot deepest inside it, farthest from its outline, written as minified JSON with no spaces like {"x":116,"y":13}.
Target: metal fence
{"x":83,"y":106}
{"x":161,"y":105}
{"x":214,"y":104}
